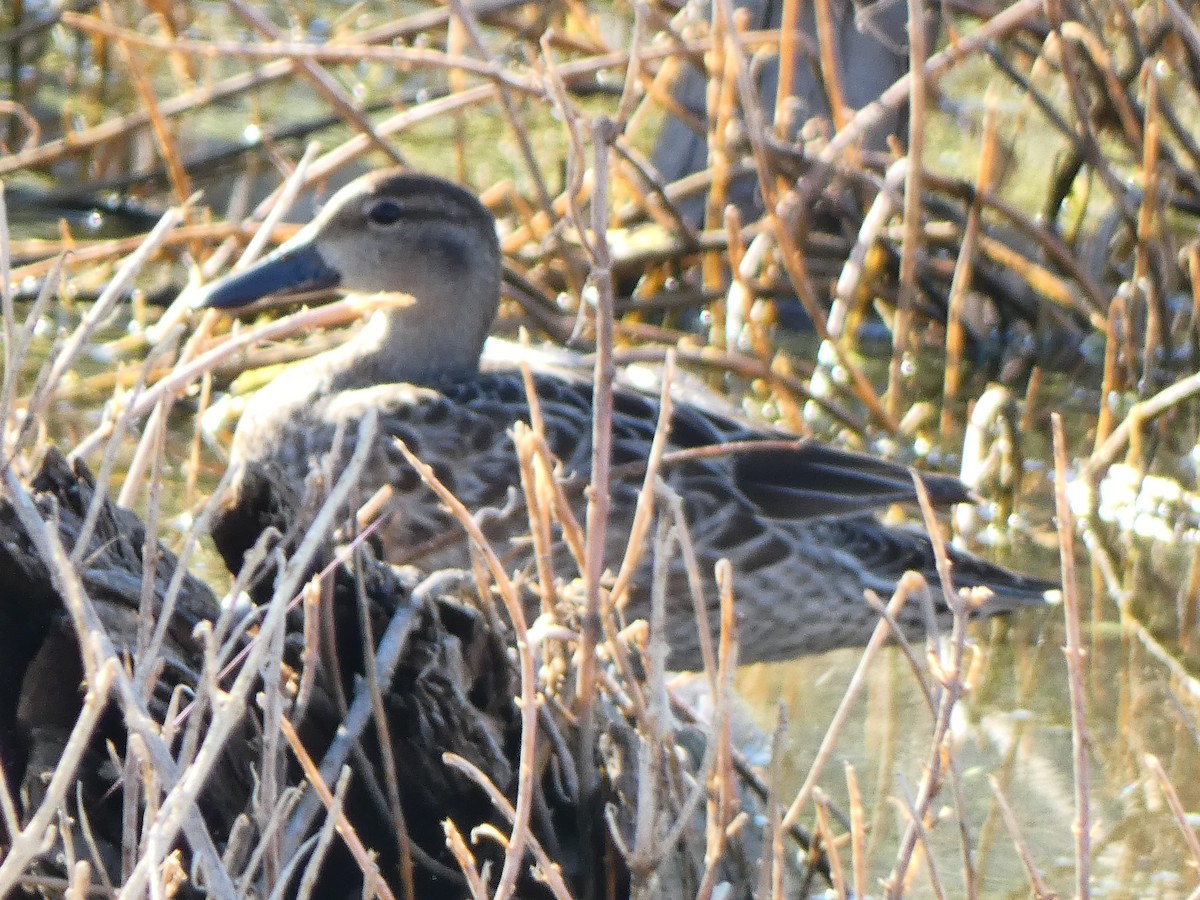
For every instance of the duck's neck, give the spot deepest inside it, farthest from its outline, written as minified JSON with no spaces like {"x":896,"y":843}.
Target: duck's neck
{"x":406,"y":345}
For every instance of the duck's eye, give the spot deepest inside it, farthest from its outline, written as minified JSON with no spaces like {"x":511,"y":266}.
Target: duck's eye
{"x":385,"y":212}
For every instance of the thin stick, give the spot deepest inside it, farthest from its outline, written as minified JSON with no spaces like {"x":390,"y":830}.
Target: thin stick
{"x":721,"y":781}
{"x":913,"y":185}
{"x":1075,"y":656}
{"x":830,"y":74}
{"x":288,"y":191}
{"x":908,"y":583}
{"x":1040,"y":889}
{"x":366,"y":863}
{"x":387,"y":759}
{"x":514,"y":854}
{"x":858,"y":835}
{"x":825,"y":833}
{"x":168,"y":147}
{"x":653,"y":724}
{"x":48,"y":290}
{"x":30,"y":840}
{"x":516,"y":121}
{"x":603,"y":133}
{"x":465,"y":859}
{"x":949,"y":672}
{"x":1147,"y":220}
{"x":323,"y":839}
{"x":8,"y":311}
{"x":964,"y":267}
{"x":770,"y":879}
{"x":1177,"y":809}
{"x":550,"y":869}
{"x":695,"y":588}
{"x":915,"y":824}
{"x":644,"y":510}
{"x":322,"y":53}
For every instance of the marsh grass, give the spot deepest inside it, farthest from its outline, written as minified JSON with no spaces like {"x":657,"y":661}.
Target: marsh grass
{"x":202,"y":753}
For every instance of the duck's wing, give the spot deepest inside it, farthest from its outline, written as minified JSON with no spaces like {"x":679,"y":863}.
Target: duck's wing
{"x":887,"y":552}
{"x":783,"y":477}
{"x":463,"y":427}
{"x":815,"y":480}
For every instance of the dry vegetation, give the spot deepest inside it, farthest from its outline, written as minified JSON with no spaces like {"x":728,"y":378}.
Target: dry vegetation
{"x":414,"y":733}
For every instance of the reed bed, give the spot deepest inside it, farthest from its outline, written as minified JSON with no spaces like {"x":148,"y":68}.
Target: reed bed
{"x":363,"y":730}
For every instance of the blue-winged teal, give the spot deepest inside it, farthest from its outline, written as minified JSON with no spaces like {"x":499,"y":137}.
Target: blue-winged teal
{"x":797,"y":524}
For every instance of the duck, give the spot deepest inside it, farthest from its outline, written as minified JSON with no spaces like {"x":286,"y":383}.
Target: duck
{"x":798,"y":521}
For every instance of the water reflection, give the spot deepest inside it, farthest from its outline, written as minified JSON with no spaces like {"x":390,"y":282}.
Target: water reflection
{"x":1015,"y":727}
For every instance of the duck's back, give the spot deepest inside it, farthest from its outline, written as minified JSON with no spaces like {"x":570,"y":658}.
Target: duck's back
{"x":793,"y":517}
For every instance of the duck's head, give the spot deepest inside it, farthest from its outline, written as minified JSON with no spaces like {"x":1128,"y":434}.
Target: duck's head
{"x":393,"y":231}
